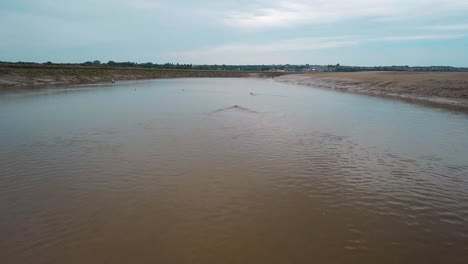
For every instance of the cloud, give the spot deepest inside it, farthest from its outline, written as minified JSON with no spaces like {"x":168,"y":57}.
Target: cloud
{"x":423,"y":37}
{"x":278,"y":13}
{"x":273,"y":52}
{"x":242,"y":53}
{"x":450,"y":27}
{"x":283,"y":46}
{"x":238,"y":31}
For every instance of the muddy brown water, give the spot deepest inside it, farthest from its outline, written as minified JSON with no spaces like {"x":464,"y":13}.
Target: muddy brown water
{"x":170,"y":171}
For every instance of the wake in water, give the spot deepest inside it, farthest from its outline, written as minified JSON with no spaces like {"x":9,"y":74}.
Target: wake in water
{"x":234,"y":107}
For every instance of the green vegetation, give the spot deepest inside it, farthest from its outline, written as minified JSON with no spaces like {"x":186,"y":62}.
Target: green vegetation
{"x":247,"y":68}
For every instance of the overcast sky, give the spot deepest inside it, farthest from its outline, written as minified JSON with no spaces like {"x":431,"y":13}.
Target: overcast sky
{"x":358,"y":32}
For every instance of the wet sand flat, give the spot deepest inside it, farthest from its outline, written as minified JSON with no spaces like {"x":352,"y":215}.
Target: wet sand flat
{"x":449,"y":88}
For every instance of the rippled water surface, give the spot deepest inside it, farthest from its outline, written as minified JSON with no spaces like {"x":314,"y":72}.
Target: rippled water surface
{"x":172,"y":171}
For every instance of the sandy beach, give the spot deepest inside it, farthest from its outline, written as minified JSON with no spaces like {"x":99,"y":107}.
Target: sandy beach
{"x":444,"y":88}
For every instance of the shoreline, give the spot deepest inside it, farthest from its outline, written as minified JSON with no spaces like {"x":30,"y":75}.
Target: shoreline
{"x":434,"y":89}
{"x":439,"y":89}
{"x":18,"y":78}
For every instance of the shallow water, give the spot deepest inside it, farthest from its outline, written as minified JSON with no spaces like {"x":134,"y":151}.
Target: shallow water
{"x":170,"y":171}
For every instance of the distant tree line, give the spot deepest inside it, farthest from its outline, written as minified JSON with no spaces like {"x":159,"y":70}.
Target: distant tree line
{"x":255,"y":68}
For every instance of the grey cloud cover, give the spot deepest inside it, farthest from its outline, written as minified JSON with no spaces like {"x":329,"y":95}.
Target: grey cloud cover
{"x":360,"y":32}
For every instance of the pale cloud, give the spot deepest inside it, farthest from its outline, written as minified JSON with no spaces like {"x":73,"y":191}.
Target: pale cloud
{"x":243,"y":50}
{"x":423,"y":37}
{"x":238,"y":52}
{"x":278,"y":13}
{"x":450,"y":27}
{"x":237,"y":31}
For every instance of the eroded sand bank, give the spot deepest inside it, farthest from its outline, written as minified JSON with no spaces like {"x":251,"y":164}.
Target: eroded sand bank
{"x":444,"y":88}
{"x":18,"y":77}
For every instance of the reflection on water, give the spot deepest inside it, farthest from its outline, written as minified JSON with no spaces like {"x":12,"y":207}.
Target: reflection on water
{"x":174,"y":172}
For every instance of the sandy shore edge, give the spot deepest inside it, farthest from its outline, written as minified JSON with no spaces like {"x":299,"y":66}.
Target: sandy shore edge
{"x":432,"y":89}
{"x":18,"y":78}
{"x":445,"y":89}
